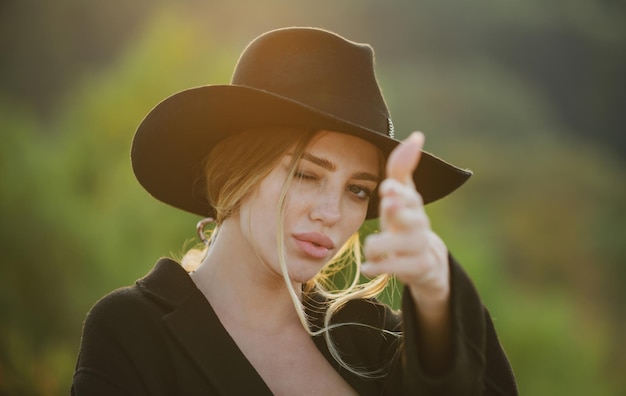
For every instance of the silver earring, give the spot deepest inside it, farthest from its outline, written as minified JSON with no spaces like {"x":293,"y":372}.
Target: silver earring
{"x":200,"y":229}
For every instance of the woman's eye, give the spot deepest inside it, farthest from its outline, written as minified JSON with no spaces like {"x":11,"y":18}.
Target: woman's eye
{"x":360,"y":191}
{"x":304,"y":175}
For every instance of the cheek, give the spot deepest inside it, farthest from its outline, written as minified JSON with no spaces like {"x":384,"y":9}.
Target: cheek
{"x":358,"y":220}
{"x":254,"y":217}
{"x":298,"y":200}
{"x":264,"y":208}
{"x":353,"y":218}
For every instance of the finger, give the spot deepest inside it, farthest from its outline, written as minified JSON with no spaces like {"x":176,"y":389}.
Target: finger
{"x":397,"y":218}
{"x":391,"y":188}
{"x":404,"y":158}
{"x":378,"y":246}
{"x":397,"y":200}
{"x":401,"y":266}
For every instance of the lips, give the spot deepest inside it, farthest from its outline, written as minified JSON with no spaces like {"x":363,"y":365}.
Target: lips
{"x":314,"y":244}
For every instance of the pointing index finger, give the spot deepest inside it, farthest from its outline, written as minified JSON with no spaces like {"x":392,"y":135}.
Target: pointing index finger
{"x":404,"y":159}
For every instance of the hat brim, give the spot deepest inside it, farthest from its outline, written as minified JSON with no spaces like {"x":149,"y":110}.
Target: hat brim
{"x":177,"y":134}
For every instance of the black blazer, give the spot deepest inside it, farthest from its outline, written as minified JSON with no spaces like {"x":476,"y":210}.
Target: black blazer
{"x":161,"y":337}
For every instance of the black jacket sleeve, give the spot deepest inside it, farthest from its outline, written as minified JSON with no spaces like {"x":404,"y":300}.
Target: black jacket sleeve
{"x":479,"y":367}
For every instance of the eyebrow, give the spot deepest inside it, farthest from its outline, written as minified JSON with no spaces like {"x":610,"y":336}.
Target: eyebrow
{"x":326,"y":164}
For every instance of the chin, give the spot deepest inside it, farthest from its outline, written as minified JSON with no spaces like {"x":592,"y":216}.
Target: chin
{"x":301,"y":278}
{"x":302,"y":270}
{"x":303,"y":275}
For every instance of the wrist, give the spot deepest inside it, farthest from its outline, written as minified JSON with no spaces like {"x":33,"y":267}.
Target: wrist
{"x":431,"y":302}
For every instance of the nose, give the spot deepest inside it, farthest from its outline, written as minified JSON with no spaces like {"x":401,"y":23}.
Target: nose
{"x":327,"y":209}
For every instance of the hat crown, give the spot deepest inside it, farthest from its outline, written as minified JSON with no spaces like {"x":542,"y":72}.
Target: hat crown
{"x":318,"y":69}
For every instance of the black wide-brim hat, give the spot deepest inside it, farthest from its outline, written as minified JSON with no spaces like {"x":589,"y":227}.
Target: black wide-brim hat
{"x":291,"y":77}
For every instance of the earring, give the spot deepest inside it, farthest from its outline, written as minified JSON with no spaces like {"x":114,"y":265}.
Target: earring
{"x":200,"y":229}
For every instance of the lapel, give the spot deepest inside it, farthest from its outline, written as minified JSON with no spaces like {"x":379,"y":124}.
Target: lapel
{"x":196,"y":328}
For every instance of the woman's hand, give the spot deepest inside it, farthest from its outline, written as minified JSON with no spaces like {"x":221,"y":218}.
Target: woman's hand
{"x":406,"y":245}
{"x":408,"y":248}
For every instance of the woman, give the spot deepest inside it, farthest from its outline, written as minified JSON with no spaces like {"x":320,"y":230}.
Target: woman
{"x":290,"y":159}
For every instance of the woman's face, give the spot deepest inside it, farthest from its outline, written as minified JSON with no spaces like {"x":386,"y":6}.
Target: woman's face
{"x":326,"y":203}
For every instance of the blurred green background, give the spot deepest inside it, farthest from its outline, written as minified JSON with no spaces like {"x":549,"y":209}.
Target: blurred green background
{"x":528,"y":94}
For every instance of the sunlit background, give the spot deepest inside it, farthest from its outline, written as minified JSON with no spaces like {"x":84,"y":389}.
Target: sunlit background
{"x":528,"y":94}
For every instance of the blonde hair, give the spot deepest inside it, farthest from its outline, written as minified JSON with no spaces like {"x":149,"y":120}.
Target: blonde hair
{"x":233,"y":169}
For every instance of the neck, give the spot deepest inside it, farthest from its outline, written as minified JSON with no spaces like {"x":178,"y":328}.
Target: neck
{"x":240,"y":287}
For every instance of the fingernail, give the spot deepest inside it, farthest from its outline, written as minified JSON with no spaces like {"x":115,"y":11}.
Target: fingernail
{"x":417,"y":137}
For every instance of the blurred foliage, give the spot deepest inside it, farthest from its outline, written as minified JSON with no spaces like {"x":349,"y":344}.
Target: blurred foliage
{"x":526,"y":94}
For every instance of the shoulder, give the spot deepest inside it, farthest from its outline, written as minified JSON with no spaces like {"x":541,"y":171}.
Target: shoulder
{"x":125,"y":345}
{"x":143,"y":303}
{"x":121,"y":318}
{"x":119,"y":304}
